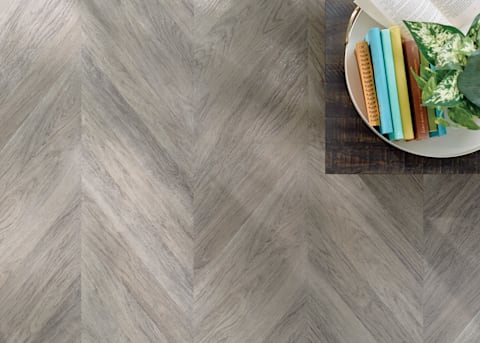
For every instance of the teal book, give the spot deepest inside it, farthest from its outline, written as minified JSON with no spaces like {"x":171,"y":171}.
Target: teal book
{"x":374,"y":40}
{"x":442,"y":130}
{"x":392,"y":86}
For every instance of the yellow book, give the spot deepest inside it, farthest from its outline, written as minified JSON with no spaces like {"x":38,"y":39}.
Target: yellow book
{"x":402,"y":87}
{"x":364,"y":62}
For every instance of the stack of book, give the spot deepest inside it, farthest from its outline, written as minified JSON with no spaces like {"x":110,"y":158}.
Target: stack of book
{"x":392,"y":97}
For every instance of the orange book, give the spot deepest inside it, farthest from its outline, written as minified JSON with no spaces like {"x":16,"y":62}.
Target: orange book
{"x":365,"y":69}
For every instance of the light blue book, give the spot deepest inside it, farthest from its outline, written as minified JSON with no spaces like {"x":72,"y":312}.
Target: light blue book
{"x":374,"y":40}
{"x":392,"y":86}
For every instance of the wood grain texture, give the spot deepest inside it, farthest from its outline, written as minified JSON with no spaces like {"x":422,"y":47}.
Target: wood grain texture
{"x":137,"y":246}
{"x":39,"y":172}
{"x":451,"y":299}
{"x":360,"y":255}
{"x":248,"y":204}
{"x":162,"y":179}
{"x":351,"y":147}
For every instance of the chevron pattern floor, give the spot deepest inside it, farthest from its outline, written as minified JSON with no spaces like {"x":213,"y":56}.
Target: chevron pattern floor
{"x":162,"y":180}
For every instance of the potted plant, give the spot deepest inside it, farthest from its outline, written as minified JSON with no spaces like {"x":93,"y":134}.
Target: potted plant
{"x":450,"y":77}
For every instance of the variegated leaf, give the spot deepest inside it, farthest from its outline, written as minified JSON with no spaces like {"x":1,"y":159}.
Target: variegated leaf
{"x":474,"y":31}
{"x":443,"y":46}
{"x":467,"y":46}
{"x":441,"y":74}
{"x":446,"y":93}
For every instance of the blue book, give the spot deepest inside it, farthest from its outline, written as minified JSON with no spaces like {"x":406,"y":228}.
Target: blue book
{"x":392,"y":86}
{"x":374,"y":40}
{"x":442,"y":130}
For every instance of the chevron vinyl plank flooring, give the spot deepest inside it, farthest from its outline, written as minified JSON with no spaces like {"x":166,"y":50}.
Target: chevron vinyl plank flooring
{"x":315,"y":97}
{"x":162,"y":180}
{"x":357,"y":250}
{"x":451,"y":293}
{"x":137,"y":247}
{"x":39,"y":172}
{"x":250,"y":252}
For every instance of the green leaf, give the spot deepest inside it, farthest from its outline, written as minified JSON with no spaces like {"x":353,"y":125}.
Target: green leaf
{"x":421,"y":83}
{"x":425,"y":70}
{"x":443,"y":46}
{"x":462,"y":116}
{"x":446,"y":93}
{"x":469,"y":80}
{"x":472,"y":108}
{"x":474,"y":31}
{"x":443,"y":122}
{"x":429,"y":88}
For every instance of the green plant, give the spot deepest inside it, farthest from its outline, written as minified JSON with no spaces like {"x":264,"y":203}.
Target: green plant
{"x":450,"y":75}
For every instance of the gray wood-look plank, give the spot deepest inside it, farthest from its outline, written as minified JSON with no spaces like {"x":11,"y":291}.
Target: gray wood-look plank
{"x":39,"y":171}
{"x":358,"y":249}
{"x":451,"y":293}
{"x":162,"y":180}
{"x":248,"y":203}
{"x":137,"y":236}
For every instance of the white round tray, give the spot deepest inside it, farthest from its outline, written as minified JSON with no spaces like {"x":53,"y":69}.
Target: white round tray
{"x":457,"y":142}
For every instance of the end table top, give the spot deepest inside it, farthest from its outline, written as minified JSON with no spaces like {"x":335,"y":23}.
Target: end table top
{"x":351,"y":147}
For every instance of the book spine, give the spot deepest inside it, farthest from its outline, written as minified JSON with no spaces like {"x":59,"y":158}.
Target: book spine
{"x":375,"y":42}
{"x":420,"y":116}
{"x":402,"y":88}
{"x":362,"y":53}
{"x":432,"y":126}
{"x":442,"y":130}
{"x":392,"y":86}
